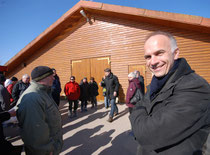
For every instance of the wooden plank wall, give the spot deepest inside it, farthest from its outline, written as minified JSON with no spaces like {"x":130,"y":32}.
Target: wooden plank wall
{"x":122,"y":41}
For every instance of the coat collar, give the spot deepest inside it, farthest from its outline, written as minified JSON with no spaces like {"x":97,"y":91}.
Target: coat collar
{"x":167,"y":89}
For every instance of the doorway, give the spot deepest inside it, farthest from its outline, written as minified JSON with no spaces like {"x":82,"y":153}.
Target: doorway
{"x":93,"y":67}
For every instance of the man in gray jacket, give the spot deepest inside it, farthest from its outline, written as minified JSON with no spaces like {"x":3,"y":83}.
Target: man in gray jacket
{"x":174,"y":116}
{"x":38,"y":115}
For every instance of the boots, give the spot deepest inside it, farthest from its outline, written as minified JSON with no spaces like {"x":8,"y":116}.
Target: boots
{"x":110,"y":119}
{"x":70,"y":114}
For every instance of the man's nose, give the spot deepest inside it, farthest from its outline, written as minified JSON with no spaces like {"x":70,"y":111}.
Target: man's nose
{"x":154,"y":61}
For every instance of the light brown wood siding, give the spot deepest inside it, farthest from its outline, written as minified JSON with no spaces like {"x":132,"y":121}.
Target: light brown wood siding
{"x":122,"y":41}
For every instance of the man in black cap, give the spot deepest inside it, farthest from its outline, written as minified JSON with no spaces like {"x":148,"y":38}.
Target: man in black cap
{"x":38,"y":115}
{"x":112,"y":87}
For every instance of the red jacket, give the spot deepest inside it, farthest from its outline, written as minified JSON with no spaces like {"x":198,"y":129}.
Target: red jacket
{"x":72,"y":90}
{"x":9,"y":89}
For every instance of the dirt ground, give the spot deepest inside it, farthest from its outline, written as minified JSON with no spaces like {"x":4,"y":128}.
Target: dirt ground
{"x":89,"y":133}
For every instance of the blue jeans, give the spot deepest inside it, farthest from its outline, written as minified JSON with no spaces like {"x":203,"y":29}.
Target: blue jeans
{"x":106,"y":102}
{"x":114,"y":108}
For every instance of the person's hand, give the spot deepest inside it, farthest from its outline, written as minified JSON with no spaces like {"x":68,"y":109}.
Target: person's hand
{"x":12,"y":112}
{"x":115,"y":93}
{"x":51,"y":153}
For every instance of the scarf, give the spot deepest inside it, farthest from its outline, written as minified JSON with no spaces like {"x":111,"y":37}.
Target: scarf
{"x":157,"y":83}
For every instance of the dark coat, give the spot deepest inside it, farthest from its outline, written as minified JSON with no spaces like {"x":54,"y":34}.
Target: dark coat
{"x":141,"y":80}
{"x":112,"y":85}
{"x":4,"y":99}
{"x":93,"y":89}
{"x":84,"y":91}
{"x":3,"y":117}
{"x":18,"y":89}
{"x":131,"y":90}
{"x":56,"y":89}
{"x":6,"y":146}
{"x":175,"y":121}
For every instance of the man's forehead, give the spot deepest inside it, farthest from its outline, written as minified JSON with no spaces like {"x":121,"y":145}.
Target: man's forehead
{"x":156,"y":42}
{"x":157,"y":38}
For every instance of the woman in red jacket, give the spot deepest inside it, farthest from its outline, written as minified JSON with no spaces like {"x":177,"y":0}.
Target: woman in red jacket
{"x":72,"y":91}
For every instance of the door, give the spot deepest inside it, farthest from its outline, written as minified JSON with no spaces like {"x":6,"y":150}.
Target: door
{"x":93,"y":67}
{"x":81,"y":69}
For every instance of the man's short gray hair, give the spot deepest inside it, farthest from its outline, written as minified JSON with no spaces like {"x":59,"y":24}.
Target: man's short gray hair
{"x":132,"y":74}
{"x":25,"y":76}
{"x":172,"y":39}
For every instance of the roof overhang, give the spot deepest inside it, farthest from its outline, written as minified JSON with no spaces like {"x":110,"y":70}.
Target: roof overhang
{"x":73,"y":16}
{"x":3,"y":68}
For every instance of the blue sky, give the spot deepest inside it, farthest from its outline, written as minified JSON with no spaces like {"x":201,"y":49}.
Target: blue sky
{"x":21,"y":21}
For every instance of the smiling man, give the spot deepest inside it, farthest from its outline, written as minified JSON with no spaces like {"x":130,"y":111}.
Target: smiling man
{"x":174,"y":115}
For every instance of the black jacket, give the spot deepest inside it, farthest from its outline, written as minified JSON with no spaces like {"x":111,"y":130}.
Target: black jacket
{"x":176,"y":120}
{"x":93,"y":89}
{"x":18,"y":89}
{"x":84,"y":91}
{"x":4,"y":99}
{"x":56,"y":89}
{"x":111,"y":84}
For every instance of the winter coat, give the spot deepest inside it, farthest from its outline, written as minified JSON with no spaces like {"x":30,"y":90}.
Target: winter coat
{"x":56,"y":89}
{"x":72,"y":90}
{"x":131,"y":91}
{"x":4,"y":99}
{"x":85,"y":94}
{"x":39,"y":120}
{"x":176,"y":120}
{"x":141,"y":80}
{"x":3,"y":117}
{"x":18,"y":89}
{"x":9,"y":89}
{"x":93,"y":89}
{"x":6,"y":146}
{"x":112,"y":85}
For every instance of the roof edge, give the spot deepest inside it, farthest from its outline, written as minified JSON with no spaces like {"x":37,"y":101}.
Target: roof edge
{"x":173,"y":17}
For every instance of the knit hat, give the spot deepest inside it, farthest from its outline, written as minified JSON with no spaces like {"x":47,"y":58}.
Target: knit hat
{"x":41,"y":72}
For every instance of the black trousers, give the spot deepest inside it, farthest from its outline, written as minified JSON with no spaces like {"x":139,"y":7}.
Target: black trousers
{"x":75,"y":105}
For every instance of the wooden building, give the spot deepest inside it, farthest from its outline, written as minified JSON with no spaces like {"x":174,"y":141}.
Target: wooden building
{"x":113,"y":38}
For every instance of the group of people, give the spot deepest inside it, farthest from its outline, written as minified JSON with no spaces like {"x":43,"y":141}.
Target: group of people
{"x":172,"y":117}
{"x":10,"y":92}
{"x":84,"y":92}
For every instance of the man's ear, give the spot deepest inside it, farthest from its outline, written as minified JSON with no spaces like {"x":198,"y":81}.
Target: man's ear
{"x":176,"y":54}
